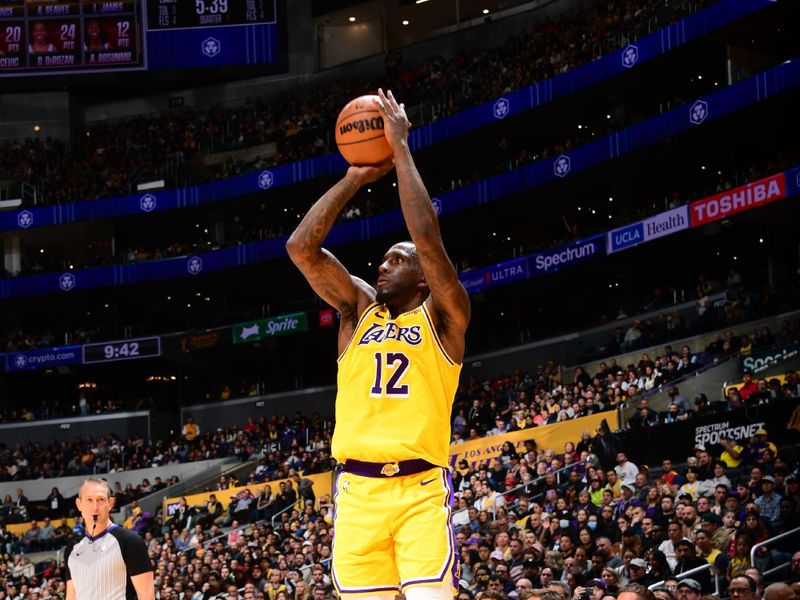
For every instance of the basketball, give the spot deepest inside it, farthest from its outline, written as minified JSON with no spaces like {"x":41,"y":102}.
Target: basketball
{"x":359,"y":133}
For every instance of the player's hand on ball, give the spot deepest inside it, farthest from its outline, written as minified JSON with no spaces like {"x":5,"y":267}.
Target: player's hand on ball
{"x":369,"y":173}
{"x":395,"y":120}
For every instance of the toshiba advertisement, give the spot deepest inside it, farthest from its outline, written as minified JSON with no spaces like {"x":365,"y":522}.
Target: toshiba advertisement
{"x":738,"y":200}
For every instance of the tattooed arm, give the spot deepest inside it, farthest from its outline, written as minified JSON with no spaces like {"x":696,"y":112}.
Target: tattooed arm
{"x":326,"y":275}
{"x":449,"y":301}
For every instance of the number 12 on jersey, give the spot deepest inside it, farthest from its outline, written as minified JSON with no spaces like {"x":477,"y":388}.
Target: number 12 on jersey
{"x":395,"y":365}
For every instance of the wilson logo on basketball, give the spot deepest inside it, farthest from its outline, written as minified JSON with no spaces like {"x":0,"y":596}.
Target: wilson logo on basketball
{"x":359,"y":133}
{"x":362,"y":125}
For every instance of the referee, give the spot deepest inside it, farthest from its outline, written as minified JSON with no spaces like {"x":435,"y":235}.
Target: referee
{"x":108,"y":562}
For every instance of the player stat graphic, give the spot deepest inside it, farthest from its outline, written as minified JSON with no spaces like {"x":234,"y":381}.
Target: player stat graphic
{"x":40,"y":36}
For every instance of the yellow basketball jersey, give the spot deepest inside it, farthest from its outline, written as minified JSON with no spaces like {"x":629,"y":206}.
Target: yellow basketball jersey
{"x":395,"y":390}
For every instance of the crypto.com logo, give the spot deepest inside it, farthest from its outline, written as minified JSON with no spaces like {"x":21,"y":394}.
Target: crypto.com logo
{"x":211,"y":47}
{"x":630,"y":56}
{"x":698,"y":112}
{"x":501,"y":108}
{"x":562,"y":165}
{"x":194,"y":265}
{"x":25,"y":219}
{"x":67,"y":282}
{"x":147,"y":203}
{"x":265,"y":180}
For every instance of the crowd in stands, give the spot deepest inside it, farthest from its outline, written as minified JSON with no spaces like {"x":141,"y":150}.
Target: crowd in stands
{"x":84,"y":405}
{"x":520,"y":400}
{"x":300,"y":126}
{"x":268,"y":221}
{"x":571,"y":520}
{"x":300,"y":442}
{"x":526,"y":526}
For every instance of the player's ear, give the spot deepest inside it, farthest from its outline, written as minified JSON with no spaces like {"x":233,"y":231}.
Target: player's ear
{"x":111,"y":501}
{"x":78,"y":502}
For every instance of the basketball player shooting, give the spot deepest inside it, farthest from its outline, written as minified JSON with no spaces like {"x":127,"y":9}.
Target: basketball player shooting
{"x":401,"y":345}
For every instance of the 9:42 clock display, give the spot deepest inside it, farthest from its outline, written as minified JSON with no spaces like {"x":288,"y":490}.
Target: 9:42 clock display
{"x":122,"y":350}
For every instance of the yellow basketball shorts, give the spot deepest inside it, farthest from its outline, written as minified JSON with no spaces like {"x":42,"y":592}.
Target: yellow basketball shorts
{"x":393,"y":532}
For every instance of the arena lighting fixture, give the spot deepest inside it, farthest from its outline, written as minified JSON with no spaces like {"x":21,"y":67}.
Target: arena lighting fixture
{"x":421,"y":1}
{"x":37,"y":128}
{"x":352,"y":19}
{"x":486,"y":11}
{"x":150,"y":185}
{"x":405,"y":22}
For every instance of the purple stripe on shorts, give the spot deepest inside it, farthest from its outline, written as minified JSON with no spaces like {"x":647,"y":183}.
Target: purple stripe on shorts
{"x":336,"y":584}
{"x":452,"y":564}
{"x":333,"y":535}
{"x":367,"y":589}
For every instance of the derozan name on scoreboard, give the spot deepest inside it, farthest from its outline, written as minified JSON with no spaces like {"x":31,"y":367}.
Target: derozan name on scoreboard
{"x":737,"y":200}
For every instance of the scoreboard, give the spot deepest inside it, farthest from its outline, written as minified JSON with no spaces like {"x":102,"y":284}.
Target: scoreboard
{"x":53,"y":36}
{"x":82,"y":36}
{"x":171,"y":14}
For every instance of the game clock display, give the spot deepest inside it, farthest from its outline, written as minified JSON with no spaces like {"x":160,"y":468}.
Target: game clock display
{"x":190,"y":14}
{"x":122,"y":350}
{"x":39,"y":36}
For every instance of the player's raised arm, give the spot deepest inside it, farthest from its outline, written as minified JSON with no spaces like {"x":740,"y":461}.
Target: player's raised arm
{"x":326,"y":275}
{"x":449,"y":299}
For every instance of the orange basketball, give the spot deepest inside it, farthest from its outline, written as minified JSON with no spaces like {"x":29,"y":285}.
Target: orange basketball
{"x":359,"y":133}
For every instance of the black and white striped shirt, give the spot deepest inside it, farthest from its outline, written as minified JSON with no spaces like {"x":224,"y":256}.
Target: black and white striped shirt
{"x":101,"y":567}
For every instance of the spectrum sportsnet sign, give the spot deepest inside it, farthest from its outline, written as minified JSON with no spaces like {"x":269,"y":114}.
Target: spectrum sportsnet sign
{"x":738,"y":200}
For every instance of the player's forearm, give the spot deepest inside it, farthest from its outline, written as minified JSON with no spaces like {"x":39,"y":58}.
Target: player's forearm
{"x":307,"y":239}
{"x":414,"y":200}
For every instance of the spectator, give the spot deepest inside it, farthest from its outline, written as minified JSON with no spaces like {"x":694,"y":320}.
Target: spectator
{"x":190,"y":430}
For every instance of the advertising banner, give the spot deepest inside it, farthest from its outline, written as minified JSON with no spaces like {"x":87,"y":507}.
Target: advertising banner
{"x":738,"y":200}
{"x":554,"y":436}
{"x":253,"y":331}
{"x":551,"y":261}
{"x":496,"y":275}
{"x":781,"y":420}
{"x":660,"y":225}
{"x":762,"y":360}
{"x":43,"y":358}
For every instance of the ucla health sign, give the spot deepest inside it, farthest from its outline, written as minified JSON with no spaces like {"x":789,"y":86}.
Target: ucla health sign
{"x":660,"y":225}
{"x":45,"y":358}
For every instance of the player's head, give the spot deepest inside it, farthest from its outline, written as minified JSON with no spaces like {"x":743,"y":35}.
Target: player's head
{"x":93,"y":30}
{"x":39,"y":32}
{"x":400,"y":275}
{"x":94,"y":498}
